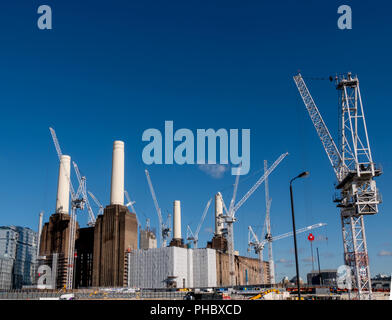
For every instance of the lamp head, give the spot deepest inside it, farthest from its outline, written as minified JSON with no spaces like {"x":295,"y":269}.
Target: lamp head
{"x":303,"y":174}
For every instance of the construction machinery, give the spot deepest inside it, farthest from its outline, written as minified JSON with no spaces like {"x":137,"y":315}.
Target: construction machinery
{"x":130,"y":204}
{"x":258,"y":245}
{"x":79,"y":201}
{"x":230,"y":218}
{"x":190,"y":236}
{"x":83,"y":186}
{"x":352,"y":162}
{"x":164,"y":228}
{"x":268,"y":235}
{"x":97,"y":202}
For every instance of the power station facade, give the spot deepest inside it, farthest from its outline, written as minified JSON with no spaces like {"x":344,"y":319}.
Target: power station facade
{"x":107,"y":254}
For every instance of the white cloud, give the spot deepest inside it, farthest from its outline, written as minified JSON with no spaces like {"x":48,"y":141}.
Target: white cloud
{"x":283,"y":260}
{"x":214,"y":170}
{"x":383,"y":253}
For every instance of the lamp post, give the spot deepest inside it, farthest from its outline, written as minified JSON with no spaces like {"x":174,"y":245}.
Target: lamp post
{"x":301,"y":175}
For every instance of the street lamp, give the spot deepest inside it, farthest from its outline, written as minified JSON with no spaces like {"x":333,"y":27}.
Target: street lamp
{"x":301,"y":175}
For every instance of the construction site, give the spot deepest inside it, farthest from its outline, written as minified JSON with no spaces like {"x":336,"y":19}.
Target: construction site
{"x":114,"y":255}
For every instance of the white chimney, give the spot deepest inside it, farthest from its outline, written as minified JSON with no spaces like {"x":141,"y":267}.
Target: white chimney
{"x":117,"y":187}
{"x":177,"y":220}
{"x":218,"y":214}
{"x":41,"y":217}
{"x":62,"y":201}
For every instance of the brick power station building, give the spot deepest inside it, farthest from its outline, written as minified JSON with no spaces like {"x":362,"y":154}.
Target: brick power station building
{"x":105,"y":253}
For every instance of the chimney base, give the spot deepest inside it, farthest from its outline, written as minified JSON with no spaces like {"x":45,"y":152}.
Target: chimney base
{"x":218,"y":242}
{"x":177,"y":243}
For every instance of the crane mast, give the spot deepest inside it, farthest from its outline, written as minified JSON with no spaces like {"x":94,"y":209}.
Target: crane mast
{"x":77,"y":202}
{"x":195,"y":236}
{"x":268,"y":235}
{"x":130,"y":204}
{"x":83,"y":190}
{"x":258,"y":246}
{"x":164,"y":229}
{"x":97,"y":202}
{"x":357,"y":194}
{"x":230,"y":214}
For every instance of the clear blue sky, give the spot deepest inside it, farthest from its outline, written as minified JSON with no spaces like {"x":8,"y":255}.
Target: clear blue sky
{"x":111,"y":69}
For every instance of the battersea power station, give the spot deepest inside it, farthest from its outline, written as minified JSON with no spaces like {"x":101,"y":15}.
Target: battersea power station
{"x":107,"y":254}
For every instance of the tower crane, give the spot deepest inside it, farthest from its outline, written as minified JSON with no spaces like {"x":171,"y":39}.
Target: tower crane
{"x":258,"y":246}
{"x":195,"y":236}
{"x":97,"y":202}
{"x":77,"y":202}
{"x":230,"y":218}
{"x":268,"y":235}
{"x":357,"y":194}
{"x":59,"y":154}
{"x":164,"y":229}
{"x":130,"y":204}
{"x":83,"y":185}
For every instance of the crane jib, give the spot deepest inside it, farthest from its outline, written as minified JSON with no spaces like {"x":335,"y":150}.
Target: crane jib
{"x":320,"y":126}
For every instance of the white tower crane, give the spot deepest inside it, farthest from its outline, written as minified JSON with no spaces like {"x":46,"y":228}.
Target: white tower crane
{"x":230,"y":214}
{"x":258,"y":246}
{"x":83,"y":185}
{"x":97,"y":202}
{"x":268,"y":235}
{"x":130,"y":204}
{"x":164,"y":229}
{"x":77,"y":202}
{"x":195,"y":236}
{"x":355,"y":172}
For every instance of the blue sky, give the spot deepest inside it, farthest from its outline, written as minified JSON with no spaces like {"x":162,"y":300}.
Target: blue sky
{"x":110,"y":70}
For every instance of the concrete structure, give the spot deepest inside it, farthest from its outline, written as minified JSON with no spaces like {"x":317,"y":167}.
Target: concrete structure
{"x":84,"y":248}
{"x":117,"y":186}
{"x":6,"y":267}
{"x":54,"y":236}
{"x":218,"y":214}
{"x":218,"y":242}
{"x":328,"y":277}
{"x":293,"y":280}
{"x":18,"y":253}
{"x":40,"y":223}
{"x":62,"y":200}
{"x":147,"y":239}
{"x":8,"y":239}
{"x":172,"y":267}
{"x":381,"y":282}
{"x":188,"y":268}
{"x":177,"y":220}
{"x":26,"y":257}
{"x":54,"y":239}
{"x":247,"y":270}
{"x":177,"y":240}
{"x":115,"y":231}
